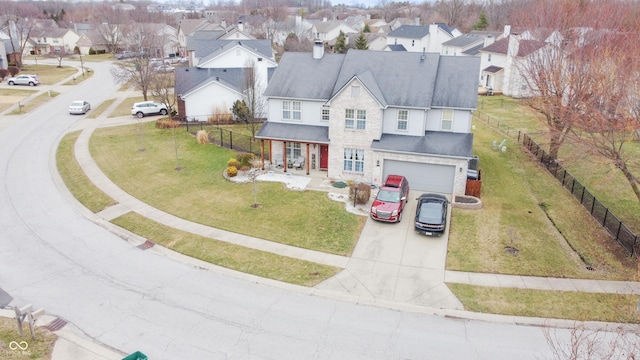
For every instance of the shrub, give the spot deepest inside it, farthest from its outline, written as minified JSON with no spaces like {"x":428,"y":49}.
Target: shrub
{"x":13,"y":70}
{"x":362,"y":195}
{"x":167,"y":124}
{"x":4,"y":73}
{"x":232,"y":171}
{"x":245,"y":168}
{"x":92,"y":51}
{"x":233,"y":162}
{"x":203,"y":137}
{"x":246,"y":159}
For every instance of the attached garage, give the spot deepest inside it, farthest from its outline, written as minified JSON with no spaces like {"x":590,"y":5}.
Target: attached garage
{"x":424,"y":177}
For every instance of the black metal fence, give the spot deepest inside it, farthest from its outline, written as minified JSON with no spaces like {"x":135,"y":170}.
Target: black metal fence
{"x":622,"y":234}
{"x":226,"y":138}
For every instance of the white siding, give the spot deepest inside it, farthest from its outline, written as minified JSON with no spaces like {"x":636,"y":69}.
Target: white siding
{"x":201,"y":105}
{"x":311,"y":112}
{"x":416,"y":122}
{"x":461,"y":120}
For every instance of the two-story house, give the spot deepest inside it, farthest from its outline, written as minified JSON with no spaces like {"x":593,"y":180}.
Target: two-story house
{"x":416,"y":38}
{"x":328,"y":31}
{"x":366,"y":114}
{"x":210,"y":88}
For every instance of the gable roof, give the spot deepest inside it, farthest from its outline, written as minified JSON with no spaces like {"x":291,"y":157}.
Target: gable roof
{"x":412,"y":81}
{"x":498,"y":47}
{"x":417,"y":32}
{"x":464,"y":40}
{"x":206,"y":49}
{"x":188,"y":79}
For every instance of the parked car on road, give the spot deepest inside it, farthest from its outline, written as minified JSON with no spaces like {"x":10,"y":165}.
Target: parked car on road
{"x":79,"y":107}
{"x":431,"y":214}
{"x":25,"y":79}
{"x":144,"y":108}
{"x":391,"y":199}
{"x":164,"y":68}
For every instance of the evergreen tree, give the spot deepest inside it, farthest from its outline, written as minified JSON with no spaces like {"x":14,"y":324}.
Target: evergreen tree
{"x":361,"y":42}
{"x":341,"y":44}
{"x":482,"y":23}
{"x":366,"y":28}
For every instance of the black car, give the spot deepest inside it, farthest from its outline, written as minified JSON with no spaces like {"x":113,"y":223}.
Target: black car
{"x":431,"y":214}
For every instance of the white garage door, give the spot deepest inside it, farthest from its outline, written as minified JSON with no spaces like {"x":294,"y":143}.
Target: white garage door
{"x":423,"y":177}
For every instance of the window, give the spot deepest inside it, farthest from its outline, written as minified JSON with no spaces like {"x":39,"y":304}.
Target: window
{"x":291,"y":110}
{"x":447,"y":120}
{"x":325,"y":114}
{"x":413,"y":42}
{"x":294,"y":151}
{"x":355,"y":119}
{"x":489,"y":57}
{"x":361,"y":120}
{"x":353,"y":160}
{"x":403,"y":119}
{"x":349,"y":118}
{"x":355,"y":91}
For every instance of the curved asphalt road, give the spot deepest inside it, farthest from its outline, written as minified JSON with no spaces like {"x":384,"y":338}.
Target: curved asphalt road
{"x":53,"y":256}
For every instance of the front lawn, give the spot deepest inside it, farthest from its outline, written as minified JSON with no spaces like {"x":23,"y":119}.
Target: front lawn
{"x":198,"y":192}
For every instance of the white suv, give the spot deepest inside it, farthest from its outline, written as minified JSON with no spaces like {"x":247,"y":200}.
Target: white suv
{"x":31,"y":80}
{"x":142,"y":109}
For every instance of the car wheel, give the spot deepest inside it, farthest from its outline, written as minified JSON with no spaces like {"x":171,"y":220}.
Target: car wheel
{"x":163,"y":112}
{"x":139,"y":114}
{"x":11,"y":83}
{"x":31,"y":84}
{"x":400,"y":216}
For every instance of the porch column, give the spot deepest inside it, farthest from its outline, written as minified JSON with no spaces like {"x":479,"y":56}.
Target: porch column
{"x":306,"y":163}
{"x":262,"y":152}
{"x":284,"y":155}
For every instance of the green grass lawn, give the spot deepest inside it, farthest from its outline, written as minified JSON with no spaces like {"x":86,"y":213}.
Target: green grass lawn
{"x":38,"y":349}
{"x":198,"y":192}
{"x":49,"y":74}
{"x":597,"y":174}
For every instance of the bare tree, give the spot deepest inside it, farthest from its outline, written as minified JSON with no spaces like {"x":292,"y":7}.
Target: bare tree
{"x":452,"y":11}
{"x":253,"y":87}
{"x":18,"y":22}
{"x":161,"y":86}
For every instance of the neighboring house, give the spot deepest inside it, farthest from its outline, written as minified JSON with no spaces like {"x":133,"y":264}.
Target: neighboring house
{"x":375,"y":41}
{"x":328,"y":31}
{"x":187,"y":27}
{"x":162,"y":39}
{"x":464,"y":45}
{"x":500,"y":64}
{"x":12,"y":56}
{"x":366,"y":114}
{"x":420,"y":38}
{"x":212,"y":86}
{"x":92,"y":40}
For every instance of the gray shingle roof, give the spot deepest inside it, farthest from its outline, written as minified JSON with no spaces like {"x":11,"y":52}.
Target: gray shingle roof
{"x":432,"y":143}
{"x":205,"y":48}
{"x":294,"y":132}
{"x":396,"y":47}
{"x":464,"y":40}
{"x":300,"y":76}
{"x":457,"y":82}
{"x":401,"y":79}
{"x":416,"y":31}
{"x":189,"y":78}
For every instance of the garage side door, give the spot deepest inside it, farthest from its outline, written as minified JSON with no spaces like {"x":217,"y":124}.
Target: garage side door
{"x":423,"y":177}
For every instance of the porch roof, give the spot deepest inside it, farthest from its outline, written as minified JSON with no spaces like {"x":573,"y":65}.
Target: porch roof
{"x":294,"y":132}
{"x":432,"y":143}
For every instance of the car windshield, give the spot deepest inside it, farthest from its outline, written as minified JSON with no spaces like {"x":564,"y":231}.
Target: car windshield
{"x":430,"y":213}
{"x":76,"y":103}
{"x":388,"y":196}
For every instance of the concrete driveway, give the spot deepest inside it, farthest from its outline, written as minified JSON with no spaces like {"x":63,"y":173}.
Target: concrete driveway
{"x":392,"y":262}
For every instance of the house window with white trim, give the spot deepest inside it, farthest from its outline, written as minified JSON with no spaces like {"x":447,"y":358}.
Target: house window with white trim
{"x":353,"y":160}
{"x":403,"y":120}
{"x":294,"y":151}
{"x":489,"y":57}
{"x":447,"y":120}
{"x":325,"y":113}
{"x":355,"y":119}
{"x":291,"y":110}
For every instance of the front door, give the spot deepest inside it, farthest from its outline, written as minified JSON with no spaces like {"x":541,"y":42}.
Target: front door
{"x":324,"y":157}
